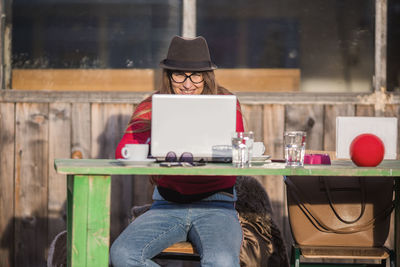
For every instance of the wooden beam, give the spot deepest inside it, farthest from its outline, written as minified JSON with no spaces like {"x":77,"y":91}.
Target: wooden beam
{"x":380,"y":45}
{"x":134,"y":80}
{"x":21,"y":96}
{"x":189,"y":18}
{"x":2,"y":27}
{"x":5,"y":43}
{"x":259,"y":80}
{"x":142,"y":80}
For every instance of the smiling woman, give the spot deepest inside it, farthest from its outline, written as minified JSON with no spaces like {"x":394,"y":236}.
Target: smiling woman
{"x":199,"y":209}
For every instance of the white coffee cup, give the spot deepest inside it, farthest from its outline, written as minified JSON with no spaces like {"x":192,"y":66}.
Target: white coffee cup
{"x":135,"y":152}
{"x":258,"y":149}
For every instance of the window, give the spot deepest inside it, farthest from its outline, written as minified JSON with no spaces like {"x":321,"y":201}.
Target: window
{"x":93,"y":34}
{"x":278,"y":45}
{"x":331,"y":42}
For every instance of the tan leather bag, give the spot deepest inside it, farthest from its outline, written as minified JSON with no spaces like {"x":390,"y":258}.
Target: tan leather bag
{"x":340,"y":211}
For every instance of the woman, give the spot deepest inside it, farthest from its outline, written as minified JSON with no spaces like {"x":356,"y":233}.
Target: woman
{"x":195,"y":208}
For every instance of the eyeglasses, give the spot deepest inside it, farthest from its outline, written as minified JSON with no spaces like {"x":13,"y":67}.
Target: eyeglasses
{"x":185,"y":160}
{"x":180,"y":77}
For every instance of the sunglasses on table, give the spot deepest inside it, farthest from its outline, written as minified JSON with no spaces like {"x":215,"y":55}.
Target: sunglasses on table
{"x":185,"y":160}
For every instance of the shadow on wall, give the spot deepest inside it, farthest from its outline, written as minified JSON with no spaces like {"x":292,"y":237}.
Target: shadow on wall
{"x":27,"y":252}
{"x":107,"y":141}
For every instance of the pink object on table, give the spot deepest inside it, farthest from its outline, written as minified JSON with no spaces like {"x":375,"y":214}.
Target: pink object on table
{"x":317,"y":159}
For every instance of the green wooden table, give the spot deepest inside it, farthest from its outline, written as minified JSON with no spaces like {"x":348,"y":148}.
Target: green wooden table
{"x":89,"y":187}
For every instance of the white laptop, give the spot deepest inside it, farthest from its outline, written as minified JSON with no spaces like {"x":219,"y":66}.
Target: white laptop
{"x":199,"y":124}
{"x":347,"y":128}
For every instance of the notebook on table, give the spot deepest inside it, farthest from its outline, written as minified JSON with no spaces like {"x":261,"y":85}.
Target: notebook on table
{"x":199,"y":124}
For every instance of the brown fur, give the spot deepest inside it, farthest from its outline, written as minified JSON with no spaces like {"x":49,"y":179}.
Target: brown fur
{"x":263,"y":244}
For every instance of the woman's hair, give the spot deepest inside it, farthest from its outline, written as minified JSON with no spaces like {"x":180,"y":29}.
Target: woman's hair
{"x":210,"y":84}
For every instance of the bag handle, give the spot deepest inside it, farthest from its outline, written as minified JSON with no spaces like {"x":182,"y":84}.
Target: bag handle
{"x":331,"y":204}
{"x":318,"y":222}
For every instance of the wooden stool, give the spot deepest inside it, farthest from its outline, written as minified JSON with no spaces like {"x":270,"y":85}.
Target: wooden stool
{"x":179,"y":251}
{"x":354,"y":253}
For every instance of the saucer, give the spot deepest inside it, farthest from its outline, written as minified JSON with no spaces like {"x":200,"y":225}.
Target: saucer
{"x":261,"y":158}
{"x":142,"y":161}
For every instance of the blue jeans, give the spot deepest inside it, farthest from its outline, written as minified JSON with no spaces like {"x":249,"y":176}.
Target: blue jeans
{"x":212,"y":226}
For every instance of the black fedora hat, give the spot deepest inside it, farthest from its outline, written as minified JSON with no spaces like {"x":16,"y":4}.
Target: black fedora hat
{"x":189,"y":54}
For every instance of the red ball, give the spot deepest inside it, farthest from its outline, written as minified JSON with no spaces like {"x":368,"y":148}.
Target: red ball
{"x":367,"y":150}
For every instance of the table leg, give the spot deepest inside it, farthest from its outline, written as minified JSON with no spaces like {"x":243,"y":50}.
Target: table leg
{"x":88,"y":220}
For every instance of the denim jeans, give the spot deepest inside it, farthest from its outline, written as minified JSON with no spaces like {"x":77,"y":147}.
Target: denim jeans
{"x":212,"y":226}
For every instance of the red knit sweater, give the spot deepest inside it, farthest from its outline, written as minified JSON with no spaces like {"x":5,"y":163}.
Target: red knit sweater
{"x":139,"y":132}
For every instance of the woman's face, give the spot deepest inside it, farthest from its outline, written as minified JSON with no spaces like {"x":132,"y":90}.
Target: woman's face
{"x":187,"y":83}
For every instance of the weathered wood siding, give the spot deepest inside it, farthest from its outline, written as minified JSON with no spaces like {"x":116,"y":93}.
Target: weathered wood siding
{"x":37,"y":127}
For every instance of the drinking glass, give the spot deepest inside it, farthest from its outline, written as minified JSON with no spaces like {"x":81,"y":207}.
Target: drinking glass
{"x":242,"y":145}
{"x":295,"y":146}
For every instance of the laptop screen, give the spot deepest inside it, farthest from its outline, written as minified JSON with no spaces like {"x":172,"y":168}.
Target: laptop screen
{"x":192,"y":123}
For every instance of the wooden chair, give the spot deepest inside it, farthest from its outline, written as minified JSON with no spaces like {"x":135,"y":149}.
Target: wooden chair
{"x":379,"y":255}
{"x":180,"y":251}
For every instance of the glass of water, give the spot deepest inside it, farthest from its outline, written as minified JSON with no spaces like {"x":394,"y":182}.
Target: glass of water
{"x":242,"y":145}
{"x":295,"y":146}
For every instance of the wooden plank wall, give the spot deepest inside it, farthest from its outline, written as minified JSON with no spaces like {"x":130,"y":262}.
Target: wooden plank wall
{"x":34,"y":130}
{"x":7,"y":140}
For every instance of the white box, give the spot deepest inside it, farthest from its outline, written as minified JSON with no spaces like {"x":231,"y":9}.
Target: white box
{"x":347,"y":128}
